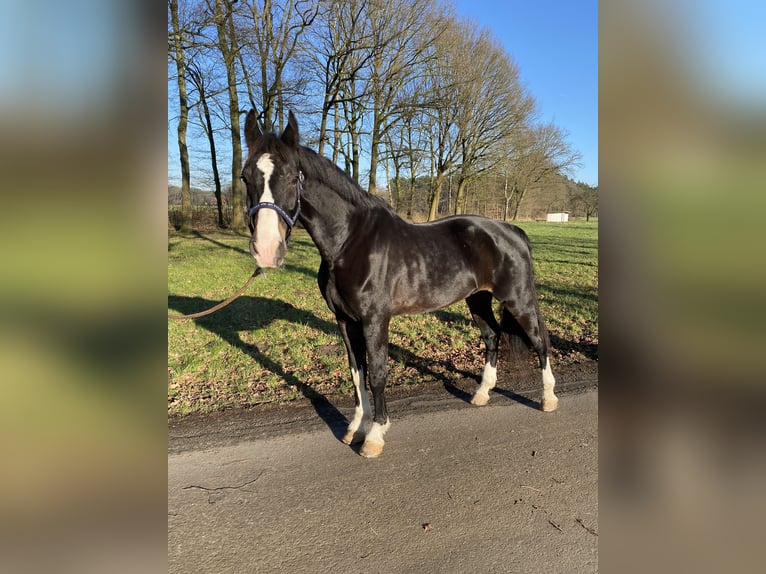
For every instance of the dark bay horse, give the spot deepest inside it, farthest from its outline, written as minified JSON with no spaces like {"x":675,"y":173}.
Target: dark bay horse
{"x":376,"y":265}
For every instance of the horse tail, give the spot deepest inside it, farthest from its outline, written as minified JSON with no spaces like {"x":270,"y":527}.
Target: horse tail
{"x":518,"y":343}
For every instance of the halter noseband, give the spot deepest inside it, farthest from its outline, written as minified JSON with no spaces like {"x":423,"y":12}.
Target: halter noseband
{"x":290,"y":220}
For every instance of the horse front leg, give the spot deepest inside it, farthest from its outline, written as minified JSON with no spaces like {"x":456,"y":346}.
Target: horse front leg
{"x":357,"y":362}
{"x":376,"y":340}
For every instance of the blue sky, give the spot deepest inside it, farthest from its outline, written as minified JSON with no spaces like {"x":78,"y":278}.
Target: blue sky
{"x":555,"y":44}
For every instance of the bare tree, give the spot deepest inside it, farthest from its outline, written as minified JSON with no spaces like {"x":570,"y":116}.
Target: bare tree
{"x":407,"y":151}
{"x":340,"y":48}
{"x":200,"y":81}
{"x":222,"y":16}
{"x":493,"y":107}
{"x":585,"y":197}
{"x":442,"y":109}
{"x":402,"y":36}
{"x":540,"y":152}
{"x":177,"y":46}
{"x":274,"y":33}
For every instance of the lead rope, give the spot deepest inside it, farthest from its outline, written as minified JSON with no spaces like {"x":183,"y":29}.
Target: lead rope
{"x":222,"y":304}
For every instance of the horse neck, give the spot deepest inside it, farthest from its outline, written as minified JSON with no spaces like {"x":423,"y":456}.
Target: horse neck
{"x":326,"y":208}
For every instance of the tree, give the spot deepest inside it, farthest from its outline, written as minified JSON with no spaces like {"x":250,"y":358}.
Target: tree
{"x":177,"y":50}
{"x":442,"y":109}
{"x":585,"y":197}
{"x":275,"y":32}
{"x":339,"y":49}
{"x":402,"y":35}
{"x":224,"y":23}
{"x":538,"y":153}
{"x":200,"y":81}
{"x":493,"y":107}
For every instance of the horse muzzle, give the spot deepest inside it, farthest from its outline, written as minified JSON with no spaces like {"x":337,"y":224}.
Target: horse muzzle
{"x":268,"y":254}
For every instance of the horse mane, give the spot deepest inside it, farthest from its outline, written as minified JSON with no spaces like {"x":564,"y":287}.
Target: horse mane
{"x":326,"y":172}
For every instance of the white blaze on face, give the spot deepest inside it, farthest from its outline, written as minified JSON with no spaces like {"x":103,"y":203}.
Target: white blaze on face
{"x":268,"y":238}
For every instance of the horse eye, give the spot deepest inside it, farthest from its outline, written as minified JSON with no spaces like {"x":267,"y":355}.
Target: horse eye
{"x":242,"y":177}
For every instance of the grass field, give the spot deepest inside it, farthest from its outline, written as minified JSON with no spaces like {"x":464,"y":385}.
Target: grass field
{"x":279,"y":342}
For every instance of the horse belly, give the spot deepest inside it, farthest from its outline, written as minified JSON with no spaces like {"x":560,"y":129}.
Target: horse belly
{"x":431,"y":293}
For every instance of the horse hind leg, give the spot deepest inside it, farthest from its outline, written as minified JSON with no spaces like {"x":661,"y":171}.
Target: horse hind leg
{"x":550,"y":401}
{"x":480,"y":305}
{"x":525,"y":327}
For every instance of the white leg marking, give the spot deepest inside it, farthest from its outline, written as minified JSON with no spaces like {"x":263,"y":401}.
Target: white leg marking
{"x":488,"y":380}
{"x":550,"y":401}
{"x":268,"y":238}
{"x":373,"y":443}
{"x":362,"y":412}
{"x":377,"y":431}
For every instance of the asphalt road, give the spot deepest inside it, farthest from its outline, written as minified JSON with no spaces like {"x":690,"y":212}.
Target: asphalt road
{"x":501,"y":488}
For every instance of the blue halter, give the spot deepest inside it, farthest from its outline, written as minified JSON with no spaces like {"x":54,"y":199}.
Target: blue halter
{"x":290,"y":220}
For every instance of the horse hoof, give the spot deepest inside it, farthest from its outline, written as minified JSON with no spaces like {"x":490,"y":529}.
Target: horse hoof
{"x":480,"y":400}
{"x":371,"y":449}
{"x":550,"y":405}
{"x":353,"y":437}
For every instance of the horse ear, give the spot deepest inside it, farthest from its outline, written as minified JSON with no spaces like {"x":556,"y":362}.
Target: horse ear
{"x":290,"y":136}
{"x":252,"y":131}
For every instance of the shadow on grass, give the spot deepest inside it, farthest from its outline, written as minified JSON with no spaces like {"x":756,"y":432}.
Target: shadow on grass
{"x":425,"y":368}
{"x":588,"y":350}
{"x":584,"y":292}
{"x":243,"y":250}
{"x":310,"y":273}
{"x":249,"y":313}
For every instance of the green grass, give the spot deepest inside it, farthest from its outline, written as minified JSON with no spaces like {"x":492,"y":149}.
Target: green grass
{"x":278,"y":342}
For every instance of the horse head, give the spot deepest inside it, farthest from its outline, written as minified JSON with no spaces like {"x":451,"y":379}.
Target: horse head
{"x":274,"y":184}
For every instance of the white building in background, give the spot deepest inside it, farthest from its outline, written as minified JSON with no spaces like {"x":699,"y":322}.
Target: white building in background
{"x":560,"y":217}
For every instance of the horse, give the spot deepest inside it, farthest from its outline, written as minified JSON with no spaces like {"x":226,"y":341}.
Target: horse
{"x":375,"y":265}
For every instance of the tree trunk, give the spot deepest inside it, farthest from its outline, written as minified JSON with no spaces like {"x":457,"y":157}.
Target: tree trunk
{"x":436,"y":196}
{"x":507,"y":197}
{"x":355,"y":155}
{"x":214,"y":159}
{"x":183,"y":119}
{"x":323,"y":125}
{"x":226,"y":41}
{"x":395,"y":189}
{"x":337,"y":143}
{"x":520,"y":193}
{"x":460,"y":199}
{"x":411,"y":202}
{"x":195,"y":75}
{"x":374,"y":145}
